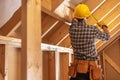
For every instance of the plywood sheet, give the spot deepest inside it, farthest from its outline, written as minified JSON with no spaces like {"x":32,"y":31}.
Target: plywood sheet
{"x":111,"y":74}
{"x":113,"y":52}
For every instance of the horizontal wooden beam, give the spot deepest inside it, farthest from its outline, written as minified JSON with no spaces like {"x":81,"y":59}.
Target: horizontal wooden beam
{"x":45,"y":47}
{"x":11,"y":41}
{"x":52,"y":14}
{"x":112,"y":63}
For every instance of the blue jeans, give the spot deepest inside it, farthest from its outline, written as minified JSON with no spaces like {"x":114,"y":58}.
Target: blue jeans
{"x":81,"y":76}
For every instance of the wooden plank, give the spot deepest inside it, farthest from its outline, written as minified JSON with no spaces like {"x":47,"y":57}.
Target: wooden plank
{"x":48,"y":65}
{"x":116,"y":21}
{"x":64,"y":63}
{"x":31,"y":63}
{"x":90,"y":3}
{"x":106,"y":7}
{"x":52,"y":14}
{"x":51,"y":5}
{"x":11,"y":41}
{"x":13,"y":62}
{"x":66,"y":42}
{"x":60,"y":32}
{"x":47,"y":22}
{"x":2,"y":59}
{"x":56,"y":3}
{"x":46,"y":39}
{"x":45,"y":47}
{"x":112,"y":63}
{"x":12,"y":24}
{"x":104,"y":68}
{"x":112,"y":15}
{"x":47,"y":4}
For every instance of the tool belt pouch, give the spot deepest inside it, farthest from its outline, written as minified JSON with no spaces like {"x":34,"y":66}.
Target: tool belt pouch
{"x":82,"y":66}
{"x":72,"y":70}
{"x":97,"y":72}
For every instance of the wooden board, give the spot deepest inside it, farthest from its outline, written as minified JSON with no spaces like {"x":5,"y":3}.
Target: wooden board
{"x":31,"y":63}
{"x":48,"y":65}
{"x":13,"y":71}
{"x":2,"y":59}
{"x":64,"y":63}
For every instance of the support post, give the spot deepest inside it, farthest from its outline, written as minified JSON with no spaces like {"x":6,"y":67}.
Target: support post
{"x":31,"y":40}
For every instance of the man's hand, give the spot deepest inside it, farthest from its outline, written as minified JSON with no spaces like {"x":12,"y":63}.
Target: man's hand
{"x":104,"y":27}
{"x":101,"y":24}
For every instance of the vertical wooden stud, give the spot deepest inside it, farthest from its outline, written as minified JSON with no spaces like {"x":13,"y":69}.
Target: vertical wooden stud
{"x":2,"y":59}
{"x":31,"y":40}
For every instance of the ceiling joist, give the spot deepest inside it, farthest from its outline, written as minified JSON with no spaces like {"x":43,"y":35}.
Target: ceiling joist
{"x":103,"y":10}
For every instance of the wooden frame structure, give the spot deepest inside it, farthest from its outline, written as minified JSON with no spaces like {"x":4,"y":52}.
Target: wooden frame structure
{"x":36,"y":21}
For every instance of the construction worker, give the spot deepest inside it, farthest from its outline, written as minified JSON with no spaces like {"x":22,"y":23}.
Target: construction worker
{"x":83,"y":38}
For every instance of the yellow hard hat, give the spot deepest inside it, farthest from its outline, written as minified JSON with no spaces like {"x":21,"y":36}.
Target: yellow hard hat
{"x":81,"y":11}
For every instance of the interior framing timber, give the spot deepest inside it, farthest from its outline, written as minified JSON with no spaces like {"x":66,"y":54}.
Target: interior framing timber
{"x":31,"y":56}
{"x":44,"y":47}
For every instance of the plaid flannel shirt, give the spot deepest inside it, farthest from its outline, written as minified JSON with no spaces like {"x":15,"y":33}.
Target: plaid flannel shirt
{"x":83,"y":40}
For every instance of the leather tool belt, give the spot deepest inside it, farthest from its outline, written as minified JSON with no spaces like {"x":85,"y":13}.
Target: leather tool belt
{"x":84,"y":66}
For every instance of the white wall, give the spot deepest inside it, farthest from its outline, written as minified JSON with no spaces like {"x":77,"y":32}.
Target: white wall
{"x":7,"y":9}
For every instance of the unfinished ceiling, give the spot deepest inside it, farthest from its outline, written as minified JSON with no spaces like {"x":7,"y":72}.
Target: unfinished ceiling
{"x":57,"y":14}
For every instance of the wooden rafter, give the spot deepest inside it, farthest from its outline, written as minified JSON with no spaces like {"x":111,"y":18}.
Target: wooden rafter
{"x":51,"y":5}
{"x":48,"y":29}
{"x":47,"y":23}
{"x":105,"y":8}
{"x":60,"y":32}
{"x":46,"y":39}
{"x":12,"y":24}
{"x":52,"y":14}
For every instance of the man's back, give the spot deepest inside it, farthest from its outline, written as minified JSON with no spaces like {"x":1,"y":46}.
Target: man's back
{"x":83,"y":39}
